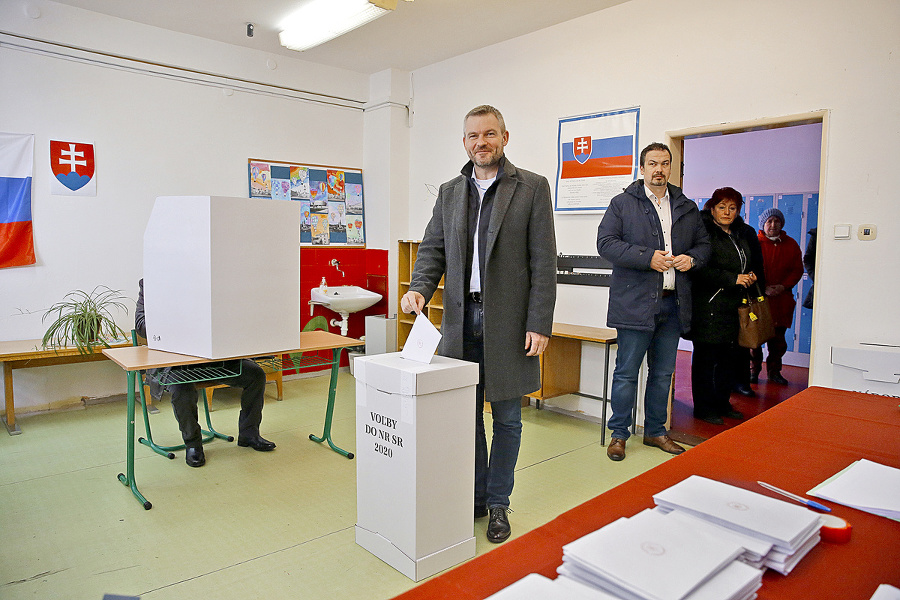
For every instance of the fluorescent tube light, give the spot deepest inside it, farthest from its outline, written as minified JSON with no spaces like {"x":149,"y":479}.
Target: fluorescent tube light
{"x":321,"y":20}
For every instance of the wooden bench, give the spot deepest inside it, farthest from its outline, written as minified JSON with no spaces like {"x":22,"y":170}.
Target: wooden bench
{"x":23,"y":354}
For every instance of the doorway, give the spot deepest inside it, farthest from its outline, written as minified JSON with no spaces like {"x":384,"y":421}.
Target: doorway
{"x":774,"y":164}
{"x":766,"y":174}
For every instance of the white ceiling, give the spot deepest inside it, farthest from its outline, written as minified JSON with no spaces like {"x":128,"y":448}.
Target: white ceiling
{"x":416,"y":34}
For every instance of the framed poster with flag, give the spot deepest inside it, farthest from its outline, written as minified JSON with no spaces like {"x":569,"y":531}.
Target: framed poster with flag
{"x":598,"y":158}
{"x":16,"y":231}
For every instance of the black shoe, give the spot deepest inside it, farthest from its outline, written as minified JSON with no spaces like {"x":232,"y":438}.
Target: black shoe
{"x":257,"y":443}
{"x":734,"y":414}
{"x":744,"y":390}
{"x":481,"y":510}
{"x":194,"y":456}
{"x":498,"y":529}
{"x":713,"y":419}
{"x":776,"y":377}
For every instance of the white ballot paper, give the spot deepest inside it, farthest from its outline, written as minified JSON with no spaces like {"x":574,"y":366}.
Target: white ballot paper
{"x":787,"y":526}
{"x":538,"y":587}
{"x":422,"y":342}
{"x":864,"y":485}
{"x":886,"y":592}
{"x":651,"y":556}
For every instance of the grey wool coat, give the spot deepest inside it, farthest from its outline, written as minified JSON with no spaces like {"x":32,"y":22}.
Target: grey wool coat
{"x":519,"y":290}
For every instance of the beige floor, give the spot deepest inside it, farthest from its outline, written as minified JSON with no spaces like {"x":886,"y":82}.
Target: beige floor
{"x":247,"y":525}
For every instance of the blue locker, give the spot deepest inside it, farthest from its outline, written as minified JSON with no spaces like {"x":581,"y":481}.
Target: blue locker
{"x":812,"y":218}
{"x":792,"y":207}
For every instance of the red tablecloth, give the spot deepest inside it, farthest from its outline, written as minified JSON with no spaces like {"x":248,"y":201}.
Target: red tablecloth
{"x":794,"y":445}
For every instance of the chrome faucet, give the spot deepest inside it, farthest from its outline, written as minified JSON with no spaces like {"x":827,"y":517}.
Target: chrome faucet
{"x":337,"y":265}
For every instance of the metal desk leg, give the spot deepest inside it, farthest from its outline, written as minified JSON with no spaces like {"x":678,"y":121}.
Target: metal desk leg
{"x":329,"y":412}
{"x":605,"y":396}
{"x":128,"y":480}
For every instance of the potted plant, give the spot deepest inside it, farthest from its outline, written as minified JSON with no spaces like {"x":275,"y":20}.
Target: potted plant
{"x":84,"y":320}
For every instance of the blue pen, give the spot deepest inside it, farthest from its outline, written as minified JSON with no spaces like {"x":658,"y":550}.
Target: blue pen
{"x":800,"y":499}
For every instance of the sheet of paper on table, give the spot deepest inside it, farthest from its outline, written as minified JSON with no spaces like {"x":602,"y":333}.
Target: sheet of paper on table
{"x":422,"y":342}
{"x":864,"y":485}
{"x":886,"y":592}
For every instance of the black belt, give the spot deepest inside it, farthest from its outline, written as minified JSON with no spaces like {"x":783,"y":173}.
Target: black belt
{"x":474,"y":297}
{"x":667,"y":293}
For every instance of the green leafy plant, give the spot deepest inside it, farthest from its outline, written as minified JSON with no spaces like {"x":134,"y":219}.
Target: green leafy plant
{"x":84,"y":320}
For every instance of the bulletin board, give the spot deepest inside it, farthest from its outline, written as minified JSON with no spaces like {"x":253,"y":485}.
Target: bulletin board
{"x":332,"y":211}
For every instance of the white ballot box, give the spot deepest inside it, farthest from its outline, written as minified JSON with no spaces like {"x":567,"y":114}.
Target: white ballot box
{"x":869,"y":368}
{"x":222,"y":276}
{"x":415,"y":461}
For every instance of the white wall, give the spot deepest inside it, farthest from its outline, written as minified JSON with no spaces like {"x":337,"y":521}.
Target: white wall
{"x":152,"y":137}
{"x":689,"y":64}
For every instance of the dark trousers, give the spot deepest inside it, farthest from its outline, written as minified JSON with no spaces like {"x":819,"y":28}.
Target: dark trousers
{"x":777,"y":348}
{"x":252,"y":380}
{"x":713,"y":377}
{"x":741,"y":366}
{"x":494,"y":471}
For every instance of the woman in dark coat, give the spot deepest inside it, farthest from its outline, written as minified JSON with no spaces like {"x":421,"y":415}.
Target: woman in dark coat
{"x":718,"y":289}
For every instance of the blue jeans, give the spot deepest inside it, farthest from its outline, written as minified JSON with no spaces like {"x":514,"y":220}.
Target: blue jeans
{"x":661,"y":348}
{"x":494,"y":474}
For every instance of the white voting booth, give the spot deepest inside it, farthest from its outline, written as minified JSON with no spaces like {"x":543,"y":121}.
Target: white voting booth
{"x":222,"y":276}
{"x":415,"y":453}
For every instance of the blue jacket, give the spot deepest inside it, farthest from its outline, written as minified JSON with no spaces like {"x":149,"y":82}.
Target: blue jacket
{"x":627,"y":236}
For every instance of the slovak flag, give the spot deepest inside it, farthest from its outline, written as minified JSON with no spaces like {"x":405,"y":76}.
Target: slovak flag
{"x":16,"y":233}
{"x":72,"y":164}
{"x":592,"y":157}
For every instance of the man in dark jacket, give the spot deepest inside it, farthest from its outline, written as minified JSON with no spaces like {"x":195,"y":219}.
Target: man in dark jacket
{"x":491,"y":237}
{"x":652,"y":234}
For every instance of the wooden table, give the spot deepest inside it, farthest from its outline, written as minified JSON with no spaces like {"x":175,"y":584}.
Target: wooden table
{"x":23,"y":354}
{"x":794,"y":445}
{"x":139,"y":358}
{"x":561,"y":364}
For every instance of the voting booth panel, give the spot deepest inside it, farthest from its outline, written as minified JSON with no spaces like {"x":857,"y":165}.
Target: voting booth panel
{"x":415,"y":452}
{"x":222,"y":275}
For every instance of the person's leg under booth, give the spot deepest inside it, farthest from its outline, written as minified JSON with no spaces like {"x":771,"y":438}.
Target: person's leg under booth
{"x":184,"y":405}
{"x":252,"y":382}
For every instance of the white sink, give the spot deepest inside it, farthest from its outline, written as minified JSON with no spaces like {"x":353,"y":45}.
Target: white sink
{"x":345,"y":299}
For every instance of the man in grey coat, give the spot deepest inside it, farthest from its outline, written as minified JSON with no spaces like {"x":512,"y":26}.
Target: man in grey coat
{"x":491,"y":236}
{"x":653,"y":235}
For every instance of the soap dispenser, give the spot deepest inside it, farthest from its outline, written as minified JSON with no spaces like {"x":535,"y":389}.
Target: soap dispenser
{"x":323,"y":287}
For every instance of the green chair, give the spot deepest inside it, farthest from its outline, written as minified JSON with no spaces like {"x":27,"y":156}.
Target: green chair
{"x":201,"y":377}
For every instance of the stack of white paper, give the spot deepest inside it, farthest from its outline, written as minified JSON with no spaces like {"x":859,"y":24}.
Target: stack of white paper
{"x":755,"y":549}
{"x":654,"y":557}
{"x":791,"y":529}
{"x":865,"y":485}
{"x":538,"y":587}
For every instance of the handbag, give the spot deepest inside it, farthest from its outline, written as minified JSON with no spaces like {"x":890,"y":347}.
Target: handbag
{"x":755,"y":320}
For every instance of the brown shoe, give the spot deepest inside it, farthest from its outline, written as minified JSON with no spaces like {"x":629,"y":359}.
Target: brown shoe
{"x":616,"y":449}
{"x":664,"y":443}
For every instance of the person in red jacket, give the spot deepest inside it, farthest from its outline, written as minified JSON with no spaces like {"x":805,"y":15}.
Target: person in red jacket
{"x":783,"y":266}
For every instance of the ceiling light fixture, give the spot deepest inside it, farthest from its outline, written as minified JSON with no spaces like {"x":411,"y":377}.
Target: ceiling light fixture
{"x":321,"y":20}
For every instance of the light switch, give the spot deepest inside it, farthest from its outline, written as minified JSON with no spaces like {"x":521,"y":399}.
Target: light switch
{"x":842,"y":232}
{"x":867,"y":231}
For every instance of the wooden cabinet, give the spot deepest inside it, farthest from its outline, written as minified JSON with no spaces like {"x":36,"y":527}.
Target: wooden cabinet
{"x":434,"y":310}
